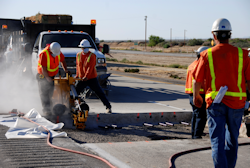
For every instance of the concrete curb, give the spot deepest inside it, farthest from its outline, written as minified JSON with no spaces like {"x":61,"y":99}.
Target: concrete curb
{"x":121,"y":120}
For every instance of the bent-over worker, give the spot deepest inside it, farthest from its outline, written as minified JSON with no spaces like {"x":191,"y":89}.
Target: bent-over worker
{"x":48,"y":67}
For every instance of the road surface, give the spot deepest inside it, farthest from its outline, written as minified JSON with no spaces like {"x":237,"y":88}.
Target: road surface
{"x":153,"y":53}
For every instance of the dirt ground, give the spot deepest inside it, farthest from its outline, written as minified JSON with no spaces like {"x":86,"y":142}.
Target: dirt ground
{"x":156,"y":71}
{"x":162,"y":72}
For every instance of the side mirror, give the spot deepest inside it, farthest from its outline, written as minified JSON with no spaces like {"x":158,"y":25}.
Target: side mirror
{"x":35,"y":49}
{"x":105,"y":49}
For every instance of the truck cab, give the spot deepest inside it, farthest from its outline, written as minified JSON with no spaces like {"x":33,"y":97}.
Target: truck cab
{"x":69,"y":41}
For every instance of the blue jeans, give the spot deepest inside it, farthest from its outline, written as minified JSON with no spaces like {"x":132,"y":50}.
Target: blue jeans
{"x":224,"y":124}
{"x":199,"y":118}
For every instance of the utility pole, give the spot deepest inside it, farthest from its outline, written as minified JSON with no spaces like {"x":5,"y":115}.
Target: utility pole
{"x":145,"y":32}
{"x":171,"y":39}
{"x":184,"y":36}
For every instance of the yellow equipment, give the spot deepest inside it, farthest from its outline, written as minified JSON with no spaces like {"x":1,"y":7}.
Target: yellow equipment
{"x":65,"y":95}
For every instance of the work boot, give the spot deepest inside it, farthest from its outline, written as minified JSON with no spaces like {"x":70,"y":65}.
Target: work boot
{"x":108,"y":110}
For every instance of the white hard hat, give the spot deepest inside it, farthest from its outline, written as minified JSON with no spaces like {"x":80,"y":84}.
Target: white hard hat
{"x":55,"y":48}
{"x":202,"y":48}
{"x":84,"y":44}
{"x":221,"y":24}
{"x":97,"y":40}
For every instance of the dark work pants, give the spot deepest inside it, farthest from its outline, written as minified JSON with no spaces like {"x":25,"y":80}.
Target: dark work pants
{"x":46,"y":90}
{"x":199,"y":118}
{"x":95,"y":86}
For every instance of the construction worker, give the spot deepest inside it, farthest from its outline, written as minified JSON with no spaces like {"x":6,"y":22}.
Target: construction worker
{"x":85,"y":69}
{"x":100,"y":48}
{"x":48,"y":67}
{"x":199,"y":116}
{"x":220,"y":66}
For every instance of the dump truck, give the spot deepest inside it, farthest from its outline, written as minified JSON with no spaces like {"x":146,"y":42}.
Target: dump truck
{"x":30,"y":38}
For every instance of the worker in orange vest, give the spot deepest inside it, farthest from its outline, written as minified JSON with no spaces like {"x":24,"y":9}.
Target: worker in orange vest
{"x":199,"y":116}
{"x":227,"y":67}
{"x":85,"y":69}
{"x":48,"y":67}
{"x":100,"y":48}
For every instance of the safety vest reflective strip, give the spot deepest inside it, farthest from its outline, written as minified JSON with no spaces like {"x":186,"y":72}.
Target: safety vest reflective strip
{"x":191,"y":89}
{"x":79,"y":55}
{"x":48,"y":62}
{"x":239,"y":94}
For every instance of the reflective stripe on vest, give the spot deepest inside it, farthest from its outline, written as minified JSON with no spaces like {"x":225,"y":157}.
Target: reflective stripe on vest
{"x":239,"y":94}
{"x":191,"y":89}
{"x":48,"y":62}
{"x":79,"y":55}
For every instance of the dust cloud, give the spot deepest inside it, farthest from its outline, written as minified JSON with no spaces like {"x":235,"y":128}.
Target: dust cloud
{"x":18,"y":86}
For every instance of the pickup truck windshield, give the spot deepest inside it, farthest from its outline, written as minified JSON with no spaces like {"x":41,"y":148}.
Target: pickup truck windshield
{"x":66,"y":40}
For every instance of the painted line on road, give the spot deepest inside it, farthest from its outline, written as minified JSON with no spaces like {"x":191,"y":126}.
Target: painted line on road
{"x":107,"y":156}
{"x":168,"y":106}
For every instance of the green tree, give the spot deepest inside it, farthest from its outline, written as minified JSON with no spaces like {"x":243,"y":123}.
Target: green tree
{"x":194,"y":42}
{"x":154,"y":40}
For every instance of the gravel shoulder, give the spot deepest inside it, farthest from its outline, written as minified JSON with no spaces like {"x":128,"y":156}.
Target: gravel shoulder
{"x":156,"y":71}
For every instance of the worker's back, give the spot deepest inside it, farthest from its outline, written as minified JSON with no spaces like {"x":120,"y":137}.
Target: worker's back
{"x":225,"y":58}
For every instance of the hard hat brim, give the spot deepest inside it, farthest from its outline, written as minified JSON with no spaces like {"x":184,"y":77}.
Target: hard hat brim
{"x":84,"y":47}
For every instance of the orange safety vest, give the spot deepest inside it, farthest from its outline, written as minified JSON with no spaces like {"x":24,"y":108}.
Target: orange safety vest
{"x":84,"y":67}
{"x":52,"y":67}
{"x":189,"y":79}
{"x":210,"y":95}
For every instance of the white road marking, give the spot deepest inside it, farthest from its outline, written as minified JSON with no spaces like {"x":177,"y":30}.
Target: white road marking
{"x":168,"y":106}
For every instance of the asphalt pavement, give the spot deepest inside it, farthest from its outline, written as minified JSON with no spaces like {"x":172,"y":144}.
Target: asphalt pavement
{"x":152,"y":97}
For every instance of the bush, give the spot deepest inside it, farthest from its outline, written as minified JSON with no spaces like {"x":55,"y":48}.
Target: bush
{"x":194,"y":42}
{"x":181,"y":44}
{"x":132,"y":70}
{"x":167,"y":45}
{"x":174,"y":43}
{"x":139,"y":62}
{"x":243,"y":43}
{"x":111,"y":59}
{"x":161,"y":44}
{"x":178,"y":66}
{"x":154,"y":40}
{"x":124,"y":60}
{"x":207,"y":43}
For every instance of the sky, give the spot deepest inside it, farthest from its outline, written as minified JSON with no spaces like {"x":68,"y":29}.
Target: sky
{"x":125,"y":19}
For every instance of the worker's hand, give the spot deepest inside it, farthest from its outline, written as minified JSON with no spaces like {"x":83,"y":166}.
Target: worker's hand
{"x":198,"y":101}
{"x":84,"y":79}
{"x":68,"y":72}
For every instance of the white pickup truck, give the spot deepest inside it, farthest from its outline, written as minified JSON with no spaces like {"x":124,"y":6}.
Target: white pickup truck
{"x":69,"y":41}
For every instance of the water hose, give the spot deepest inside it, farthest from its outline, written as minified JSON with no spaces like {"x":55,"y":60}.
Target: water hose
{"x":68,"y":150}
{"x":173,"y":157}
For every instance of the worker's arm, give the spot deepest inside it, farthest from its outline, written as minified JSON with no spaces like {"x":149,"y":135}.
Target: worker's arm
{"x":46,"y":74}
{"x":64,"y":65}
{"x":197,"y":99}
